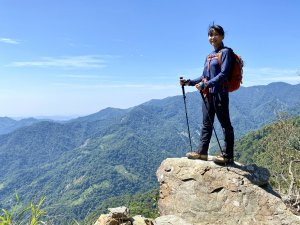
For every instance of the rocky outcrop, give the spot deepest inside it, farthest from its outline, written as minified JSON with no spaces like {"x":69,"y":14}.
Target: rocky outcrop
{"x":195,"y":192}
{"x":201,"y":192}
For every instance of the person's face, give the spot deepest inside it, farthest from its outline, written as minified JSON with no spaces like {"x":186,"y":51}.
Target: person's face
{"x":215,"y":39}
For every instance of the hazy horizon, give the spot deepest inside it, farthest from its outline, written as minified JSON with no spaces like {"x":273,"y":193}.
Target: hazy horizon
{"x":66,"y":117}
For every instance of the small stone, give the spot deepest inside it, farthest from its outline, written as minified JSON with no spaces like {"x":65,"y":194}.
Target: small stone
{"x":105,"y":219}
{"x":121,"y":213}
{"x":140,"y":220}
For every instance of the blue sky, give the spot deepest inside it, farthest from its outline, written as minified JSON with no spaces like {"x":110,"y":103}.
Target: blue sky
{"x":71,"y":57}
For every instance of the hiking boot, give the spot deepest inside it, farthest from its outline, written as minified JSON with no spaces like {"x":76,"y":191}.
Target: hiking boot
{"x":220,"y":159}
{"x":196,"y":155}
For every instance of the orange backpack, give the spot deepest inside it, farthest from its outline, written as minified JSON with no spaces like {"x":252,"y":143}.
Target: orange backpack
{"x":235,"y":77}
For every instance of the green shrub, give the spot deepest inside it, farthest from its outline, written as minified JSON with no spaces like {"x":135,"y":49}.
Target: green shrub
{"x":31,"y":214}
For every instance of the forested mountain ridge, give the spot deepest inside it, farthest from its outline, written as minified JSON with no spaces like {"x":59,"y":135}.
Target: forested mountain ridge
{"x":8,"y":125}
{"x":82,"y":162}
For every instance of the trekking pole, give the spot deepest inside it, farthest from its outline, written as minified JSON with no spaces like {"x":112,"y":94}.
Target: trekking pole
{"x":186,"y":115}
{"x":210,"y":120}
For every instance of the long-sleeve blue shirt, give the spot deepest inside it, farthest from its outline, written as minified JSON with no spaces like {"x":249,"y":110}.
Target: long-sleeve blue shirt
{"x":216,"y":75}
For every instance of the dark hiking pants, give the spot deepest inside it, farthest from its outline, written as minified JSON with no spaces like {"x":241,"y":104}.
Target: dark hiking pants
{"x":216,"y":104}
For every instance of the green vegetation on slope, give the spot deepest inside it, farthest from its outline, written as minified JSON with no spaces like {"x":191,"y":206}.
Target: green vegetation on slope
{"x":277,"y":148}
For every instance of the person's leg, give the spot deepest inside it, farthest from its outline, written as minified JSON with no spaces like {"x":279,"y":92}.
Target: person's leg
{"x":208,"y":113}
{"x":221,"y":103}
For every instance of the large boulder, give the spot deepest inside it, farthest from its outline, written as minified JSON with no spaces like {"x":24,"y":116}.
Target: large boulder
{"x":170,"y":220}
{"x":201,"y":192}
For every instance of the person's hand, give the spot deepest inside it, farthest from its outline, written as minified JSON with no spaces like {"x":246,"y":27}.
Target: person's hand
{"x":184,"y":82}
{"x":200,"y":86}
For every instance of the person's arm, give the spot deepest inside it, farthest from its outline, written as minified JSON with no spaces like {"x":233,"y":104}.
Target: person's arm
{"x":225,"y":69}
{"x":195,"y":81}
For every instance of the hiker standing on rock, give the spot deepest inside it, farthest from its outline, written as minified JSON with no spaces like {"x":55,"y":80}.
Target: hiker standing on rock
{"x":213,"y":83}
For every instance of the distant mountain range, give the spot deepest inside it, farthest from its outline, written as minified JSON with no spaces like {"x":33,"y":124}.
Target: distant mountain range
{"x":8,"y":125}
{"x":80,"y":163}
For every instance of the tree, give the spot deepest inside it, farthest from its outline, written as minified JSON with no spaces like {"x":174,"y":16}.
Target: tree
{"x":280,"y":153}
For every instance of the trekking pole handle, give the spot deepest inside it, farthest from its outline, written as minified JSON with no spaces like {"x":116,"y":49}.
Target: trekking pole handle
{"x":184,"y":80}
{"x":182,"y":87}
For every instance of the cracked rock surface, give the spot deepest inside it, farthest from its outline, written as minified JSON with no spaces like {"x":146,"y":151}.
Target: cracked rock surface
{"x":202,"y":192}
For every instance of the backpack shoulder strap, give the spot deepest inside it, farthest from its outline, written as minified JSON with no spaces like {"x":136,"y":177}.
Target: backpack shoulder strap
{"x":209,"y":58}
{"x":219,"y":57}
{"x":220,"y":54}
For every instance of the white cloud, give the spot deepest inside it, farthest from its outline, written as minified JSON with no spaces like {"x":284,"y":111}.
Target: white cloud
{"x":262,"y":76}
{"x":117,"y":86}
{"x":84,"y":76}
{"x":9,"y":41}
{"x":85,"y":61}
